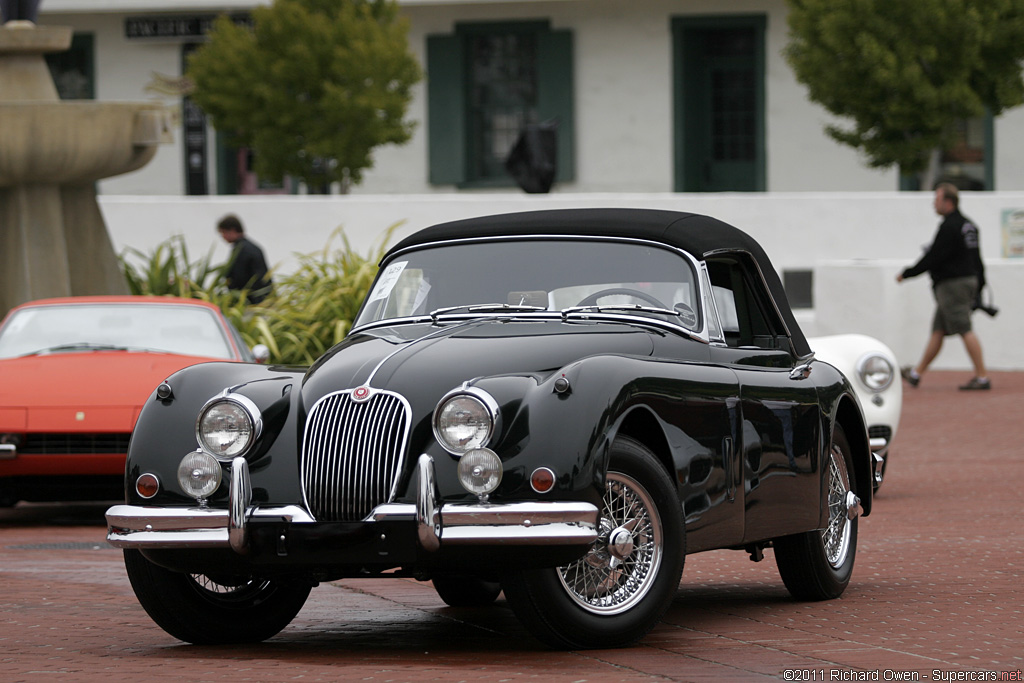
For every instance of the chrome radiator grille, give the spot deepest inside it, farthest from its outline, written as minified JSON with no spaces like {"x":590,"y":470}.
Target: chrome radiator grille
{"x":352,"y":453}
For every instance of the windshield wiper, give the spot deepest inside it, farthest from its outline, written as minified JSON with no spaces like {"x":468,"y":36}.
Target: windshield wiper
{"x":620,"y":307}
{"x":486,"y":308}
{"x":78,"y":346}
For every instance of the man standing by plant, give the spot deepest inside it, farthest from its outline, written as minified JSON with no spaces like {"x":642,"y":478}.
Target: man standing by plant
{"x":246,"y":269}
{"x":954,"y":262}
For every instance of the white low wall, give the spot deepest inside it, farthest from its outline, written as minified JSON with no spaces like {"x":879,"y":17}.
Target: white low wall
{"x":856,"y":243}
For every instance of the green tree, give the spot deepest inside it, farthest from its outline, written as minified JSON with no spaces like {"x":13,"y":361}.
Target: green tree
{"x":904,"y":71}
{"x":311,"y":87}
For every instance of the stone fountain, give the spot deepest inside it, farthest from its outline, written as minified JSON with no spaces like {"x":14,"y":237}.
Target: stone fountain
{"x":53,"y":240}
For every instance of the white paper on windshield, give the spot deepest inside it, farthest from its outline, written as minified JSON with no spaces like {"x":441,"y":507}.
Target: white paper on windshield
{"x":387,"y":281}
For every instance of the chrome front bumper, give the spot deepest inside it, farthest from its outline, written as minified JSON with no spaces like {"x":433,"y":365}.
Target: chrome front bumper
{"x":527,"y":523}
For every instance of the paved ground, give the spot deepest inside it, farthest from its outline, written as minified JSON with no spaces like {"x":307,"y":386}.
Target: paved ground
{"x":936,"y":593}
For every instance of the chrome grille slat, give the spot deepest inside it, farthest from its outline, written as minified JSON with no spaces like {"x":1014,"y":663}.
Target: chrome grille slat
{"x":352,"y":453}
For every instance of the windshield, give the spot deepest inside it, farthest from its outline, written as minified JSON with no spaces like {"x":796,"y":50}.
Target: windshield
{"x":552,"y":275}
{"x":164,"y":328}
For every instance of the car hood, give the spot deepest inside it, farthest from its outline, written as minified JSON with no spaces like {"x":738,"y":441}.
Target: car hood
{"x":426,"y":359}
{"x":97,"y":391}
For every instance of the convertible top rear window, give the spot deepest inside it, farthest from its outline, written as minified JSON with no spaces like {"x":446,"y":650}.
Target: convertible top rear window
{"x":550,"y":274}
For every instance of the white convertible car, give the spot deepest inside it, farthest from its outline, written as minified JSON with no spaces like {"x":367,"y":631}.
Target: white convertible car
{"x":873,"y":371}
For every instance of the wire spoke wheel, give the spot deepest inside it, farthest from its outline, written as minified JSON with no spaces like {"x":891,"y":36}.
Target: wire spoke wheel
{"x":817,"y":565}
{"x":619,"y":570}
{"x":616,"y":592}
{"x":835,"y":537}
{"x":227,"y":590}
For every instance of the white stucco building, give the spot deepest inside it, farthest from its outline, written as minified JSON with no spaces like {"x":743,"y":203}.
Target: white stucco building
{"x":651,"y":96}
{"x":677,"y":104}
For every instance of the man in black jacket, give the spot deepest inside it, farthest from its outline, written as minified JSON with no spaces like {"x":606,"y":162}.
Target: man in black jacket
{"x":954,"y":262}
{"x":247,"y":268}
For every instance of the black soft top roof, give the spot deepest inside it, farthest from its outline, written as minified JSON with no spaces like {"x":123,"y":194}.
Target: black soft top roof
{"x":694,"y":233}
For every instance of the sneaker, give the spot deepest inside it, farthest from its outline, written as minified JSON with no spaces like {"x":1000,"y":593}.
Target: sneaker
{"x":913,"y":379}
{"x":977,"y":384}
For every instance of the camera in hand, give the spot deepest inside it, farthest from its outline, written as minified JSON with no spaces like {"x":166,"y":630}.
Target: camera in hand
{"x":988,"y":308}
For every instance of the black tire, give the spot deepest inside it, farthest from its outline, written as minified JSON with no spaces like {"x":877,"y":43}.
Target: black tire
{"x":466,"y":591}
{"x":616,"y":593}
{"x":202,"y":611}
{"x":817,"y":565}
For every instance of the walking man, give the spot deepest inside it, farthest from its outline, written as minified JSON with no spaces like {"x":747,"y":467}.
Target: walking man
{"x":954,"y":262}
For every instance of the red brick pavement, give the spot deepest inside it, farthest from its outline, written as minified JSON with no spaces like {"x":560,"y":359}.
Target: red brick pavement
{"x":936,"y":592}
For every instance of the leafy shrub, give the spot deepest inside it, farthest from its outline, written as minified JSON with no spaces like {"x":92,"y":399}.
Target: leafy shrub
{"x":309,"y":311}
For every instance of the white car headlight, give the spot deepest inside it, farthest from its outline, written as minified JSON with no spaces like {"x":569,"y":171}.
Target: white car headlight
{"x":228,"y":426}
{"x":875,"y":372}
{"x":464,"y":420}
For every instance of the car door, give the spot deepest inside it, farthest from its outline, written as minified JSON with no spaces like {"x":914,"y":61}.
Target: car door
{"x":780,"y":431}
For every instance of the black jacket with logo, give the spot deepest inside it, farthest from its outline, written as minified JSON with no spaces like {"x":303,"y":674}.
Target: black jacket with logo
{"x":953,"y":253}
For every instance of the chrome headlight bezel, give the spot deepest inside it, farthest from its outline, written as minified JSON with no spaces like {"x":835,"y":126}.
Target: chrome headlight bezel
{"x":244,"y":408}
{"x":472,"y":399}
{"x":875,"y":372}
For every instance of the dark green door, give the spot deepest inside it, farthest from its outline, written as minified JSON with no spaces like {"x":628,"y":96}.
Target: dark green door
{"x":720,"y":104}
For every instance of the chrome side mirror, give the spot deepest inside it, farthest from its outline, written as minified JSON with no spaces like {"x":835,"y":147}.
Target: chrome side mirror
{"x":261,"y":353}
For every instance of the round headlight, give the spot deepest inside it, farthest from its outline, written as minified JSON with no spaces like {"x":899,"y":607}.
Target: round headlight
{"x":225,"y":429}
{"x":876,"y":372}
{"x":480,"y":471}
{"x":199,"y":474}
{"x":463,"y":422}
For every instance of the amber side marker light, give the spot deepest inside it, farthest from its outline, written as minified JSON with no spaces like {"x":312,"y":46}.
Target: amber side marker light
{"x":147,"y":485}
{"x":542,"y":480}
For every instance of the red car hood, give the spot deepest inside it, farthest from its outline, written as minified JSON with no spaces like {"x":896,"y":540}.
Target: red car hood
{"x":100,"y":391}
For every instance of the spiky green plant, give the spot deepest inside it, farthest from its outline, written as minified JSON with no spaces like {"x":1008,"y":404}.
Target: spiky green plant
{"x":168,"y":271}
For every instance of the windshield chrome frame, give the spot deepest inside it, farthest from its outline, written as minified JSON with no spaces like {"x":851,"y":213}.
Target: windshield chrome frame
{"x":618,"y":315}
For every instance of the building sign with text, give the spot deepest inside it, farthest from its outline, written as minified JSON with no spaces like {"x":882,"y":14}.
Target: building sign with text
{"x":179,"y":27}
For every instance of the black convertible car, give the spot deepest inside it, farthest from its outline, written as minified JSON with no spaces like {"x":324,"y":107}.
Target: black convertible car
{"x":560,"y":405}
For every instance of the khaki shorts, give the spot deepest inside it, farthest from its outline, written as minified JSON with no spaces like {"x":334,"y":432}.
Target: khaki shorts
{"x":953,"y":299}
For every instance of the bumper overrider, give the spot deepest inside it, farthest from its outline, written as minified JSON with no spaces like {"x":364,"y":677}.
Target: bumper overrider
{"x":533,"y":523}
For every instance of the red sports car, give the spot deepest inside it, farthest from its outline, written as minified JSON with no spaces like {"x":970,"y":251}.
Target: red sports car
{"x":74,"y":373}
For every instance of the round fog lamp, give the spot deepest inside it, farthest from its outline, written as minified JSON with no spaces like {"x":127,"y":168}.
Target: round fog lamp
{"x":199,"y":474}
{"x":480,"y":471}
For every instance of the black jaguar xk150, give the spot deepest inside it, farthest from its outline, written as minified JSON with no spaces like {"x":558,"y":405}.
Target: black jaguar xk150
{"x":560,"y":405}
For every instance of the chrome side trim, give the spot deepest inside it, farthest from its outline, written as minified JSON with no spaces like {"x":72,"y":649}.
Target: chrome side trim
{"x":8,"y":451}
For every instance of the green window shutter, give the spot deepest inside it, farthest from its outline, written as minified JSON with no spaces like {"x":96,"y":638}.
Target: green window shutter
{"x":556,"y":94}
{"x":446,"y":110}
